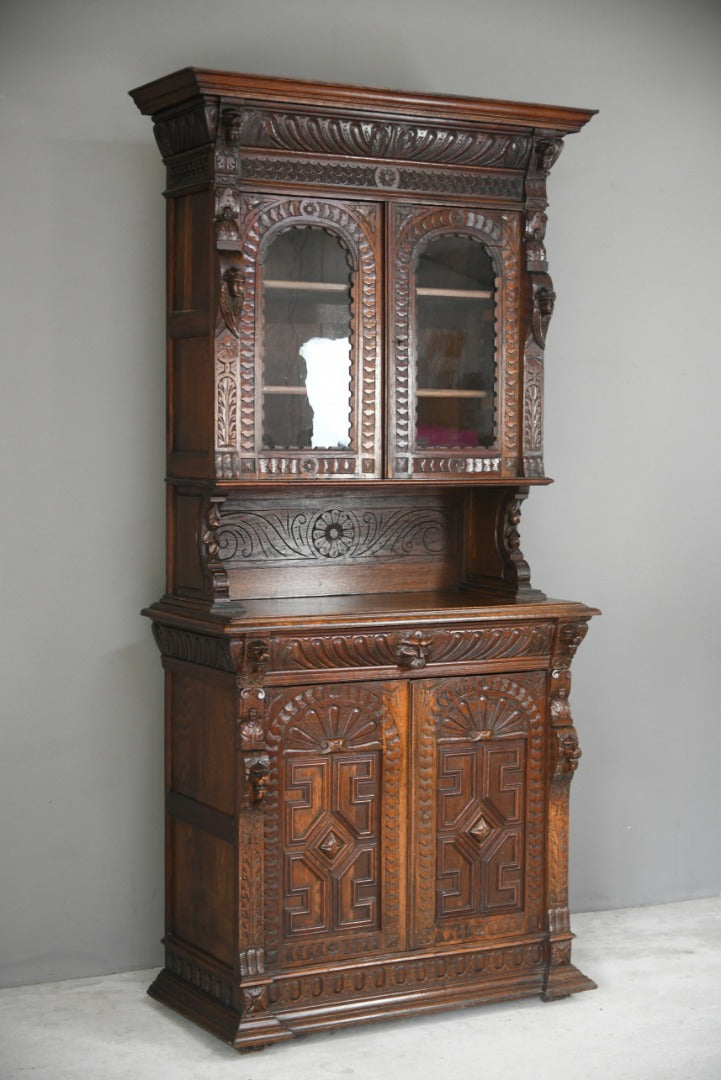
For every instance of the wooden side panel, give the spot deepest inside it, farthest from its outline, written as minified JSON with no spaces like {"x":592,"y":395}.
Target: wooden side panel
{"x":203,"y":741}
{"x":203,"y":891}
{"x":190,"y":357}
{"x":186,"y":509}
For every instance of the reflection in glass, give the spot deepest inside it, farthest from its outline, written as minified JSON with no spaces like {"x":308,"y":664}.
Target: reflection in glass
{"x":455,"y":367}
{"x":306,"y":348}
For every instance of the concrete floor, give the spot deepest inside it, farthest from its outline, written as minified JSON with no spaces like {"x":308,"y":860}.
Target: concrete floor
{"x":656,"y":1015}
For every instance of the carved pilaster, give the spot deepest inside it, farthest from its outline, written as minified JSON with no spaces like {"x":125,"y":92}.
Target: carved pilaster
{"x":563,"y":978}
{"x":539,"y":299}
{"x":254,"y":776}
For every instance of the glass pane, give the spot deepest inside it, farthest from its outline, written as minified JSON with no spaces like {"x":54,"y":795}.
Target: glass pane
{"x":306,"y":347}
{"x":455,"y":373}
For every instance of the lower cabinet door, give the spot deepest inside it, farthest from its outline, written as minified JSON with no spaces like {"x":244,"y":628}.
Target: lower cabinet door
{"x":335,"y":850}
{"x":477,"y":807}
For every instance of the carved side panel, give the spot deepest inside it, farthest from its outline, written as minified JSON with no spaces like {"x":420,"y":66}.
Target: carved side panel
{"x":333,"y":840}
{"x":478,"y":807}
{"x":244,"y":229}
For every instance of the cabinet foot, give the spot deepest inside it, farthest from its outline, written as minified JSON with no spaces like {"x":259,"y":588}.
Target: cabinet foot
{"x":565,"y":980}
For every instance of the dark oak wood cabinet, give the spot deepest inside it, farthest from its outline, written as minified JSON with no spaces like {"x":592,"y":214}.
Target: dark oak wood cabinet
{"x":369,"y":744}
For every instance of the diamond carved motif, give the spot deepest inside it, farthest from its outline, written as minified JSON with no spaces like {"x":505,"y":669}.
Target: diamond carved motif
{"x":480,"y":828}
{"x":331,"y":845}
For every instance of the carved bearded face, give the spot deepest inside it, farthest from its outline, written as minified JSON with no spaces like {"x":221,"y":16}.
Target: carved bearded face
{"x":235,"y":279}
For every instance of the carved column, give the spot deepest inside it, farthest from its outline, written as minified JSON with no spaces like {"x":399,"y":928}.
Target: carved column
{"x":562,"y":978}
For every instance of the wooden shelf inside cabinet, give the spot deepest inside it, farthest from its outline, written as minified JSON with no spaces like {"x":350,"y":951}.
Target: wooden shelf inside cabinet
{"x":285,"y":390}
{"x":450,"y":393}
{"x":455,"y":294}
{"x":308,"y":286}
{"x":368,"y":731}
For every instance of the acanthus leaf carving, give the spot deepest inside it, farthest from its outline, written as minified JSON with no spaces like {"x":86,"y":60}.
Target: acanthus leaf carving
{"x":349,"y":136}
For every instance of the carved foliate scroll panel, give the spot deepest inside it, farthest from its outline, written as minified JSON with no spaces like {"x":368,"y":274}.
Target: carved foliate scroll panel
{"x":334,"y":850}
{"x":478,"y":807}
{"x":245,"y":229}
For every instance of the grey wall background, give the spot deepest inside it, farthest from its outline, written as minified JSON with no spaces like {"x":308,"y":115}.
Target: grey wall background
{"x":632,"y":524}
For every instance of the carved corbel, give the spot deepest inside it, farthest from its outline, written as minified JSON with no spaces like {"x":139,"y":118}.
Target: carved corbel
{"x":516,"y":571}
{"x":213,"y":568}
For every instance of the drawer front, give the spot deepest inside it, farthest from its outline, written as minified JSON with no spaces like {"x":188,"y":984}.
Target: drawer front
{"x":410,"y":650}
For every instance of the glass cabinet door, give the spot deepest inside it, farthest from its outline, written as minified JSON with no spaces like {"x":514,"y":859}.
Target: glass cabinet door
{"x":455,"y":344}
{"x":316,"y":376}
{"x":306,"y":383}
{"x":453,"y":328}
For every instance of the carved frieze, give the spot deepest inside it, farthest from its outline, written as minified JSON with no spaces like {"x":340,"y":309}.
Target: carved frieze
{"x":352,"y":136}
{"x":402,"y":976}
{"x":280,"y":170}
{"x":324,"y":651}
{"x":194,"y":648}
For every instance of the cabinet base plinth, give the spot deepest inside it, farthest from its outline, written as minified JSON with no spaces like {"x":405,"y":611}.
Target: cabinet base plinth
{"x":565,"y":980}
{"x":220,"y":1020}
{"x":256,"y":1032}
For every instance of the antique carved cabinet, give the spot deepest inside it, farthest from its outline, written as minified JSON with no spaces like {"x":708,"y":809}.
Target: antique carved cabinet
{"x":368,"y":737}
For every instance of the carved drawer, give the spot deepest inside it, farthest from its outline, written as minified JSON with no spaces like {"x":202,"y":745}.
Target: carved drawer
{"x":410,"y":650}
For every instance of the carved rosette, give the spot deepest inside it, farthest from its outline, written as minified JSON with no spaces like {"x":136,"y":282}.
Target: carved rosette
{"x":564,"y":753}
{"x":498,"y":233}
